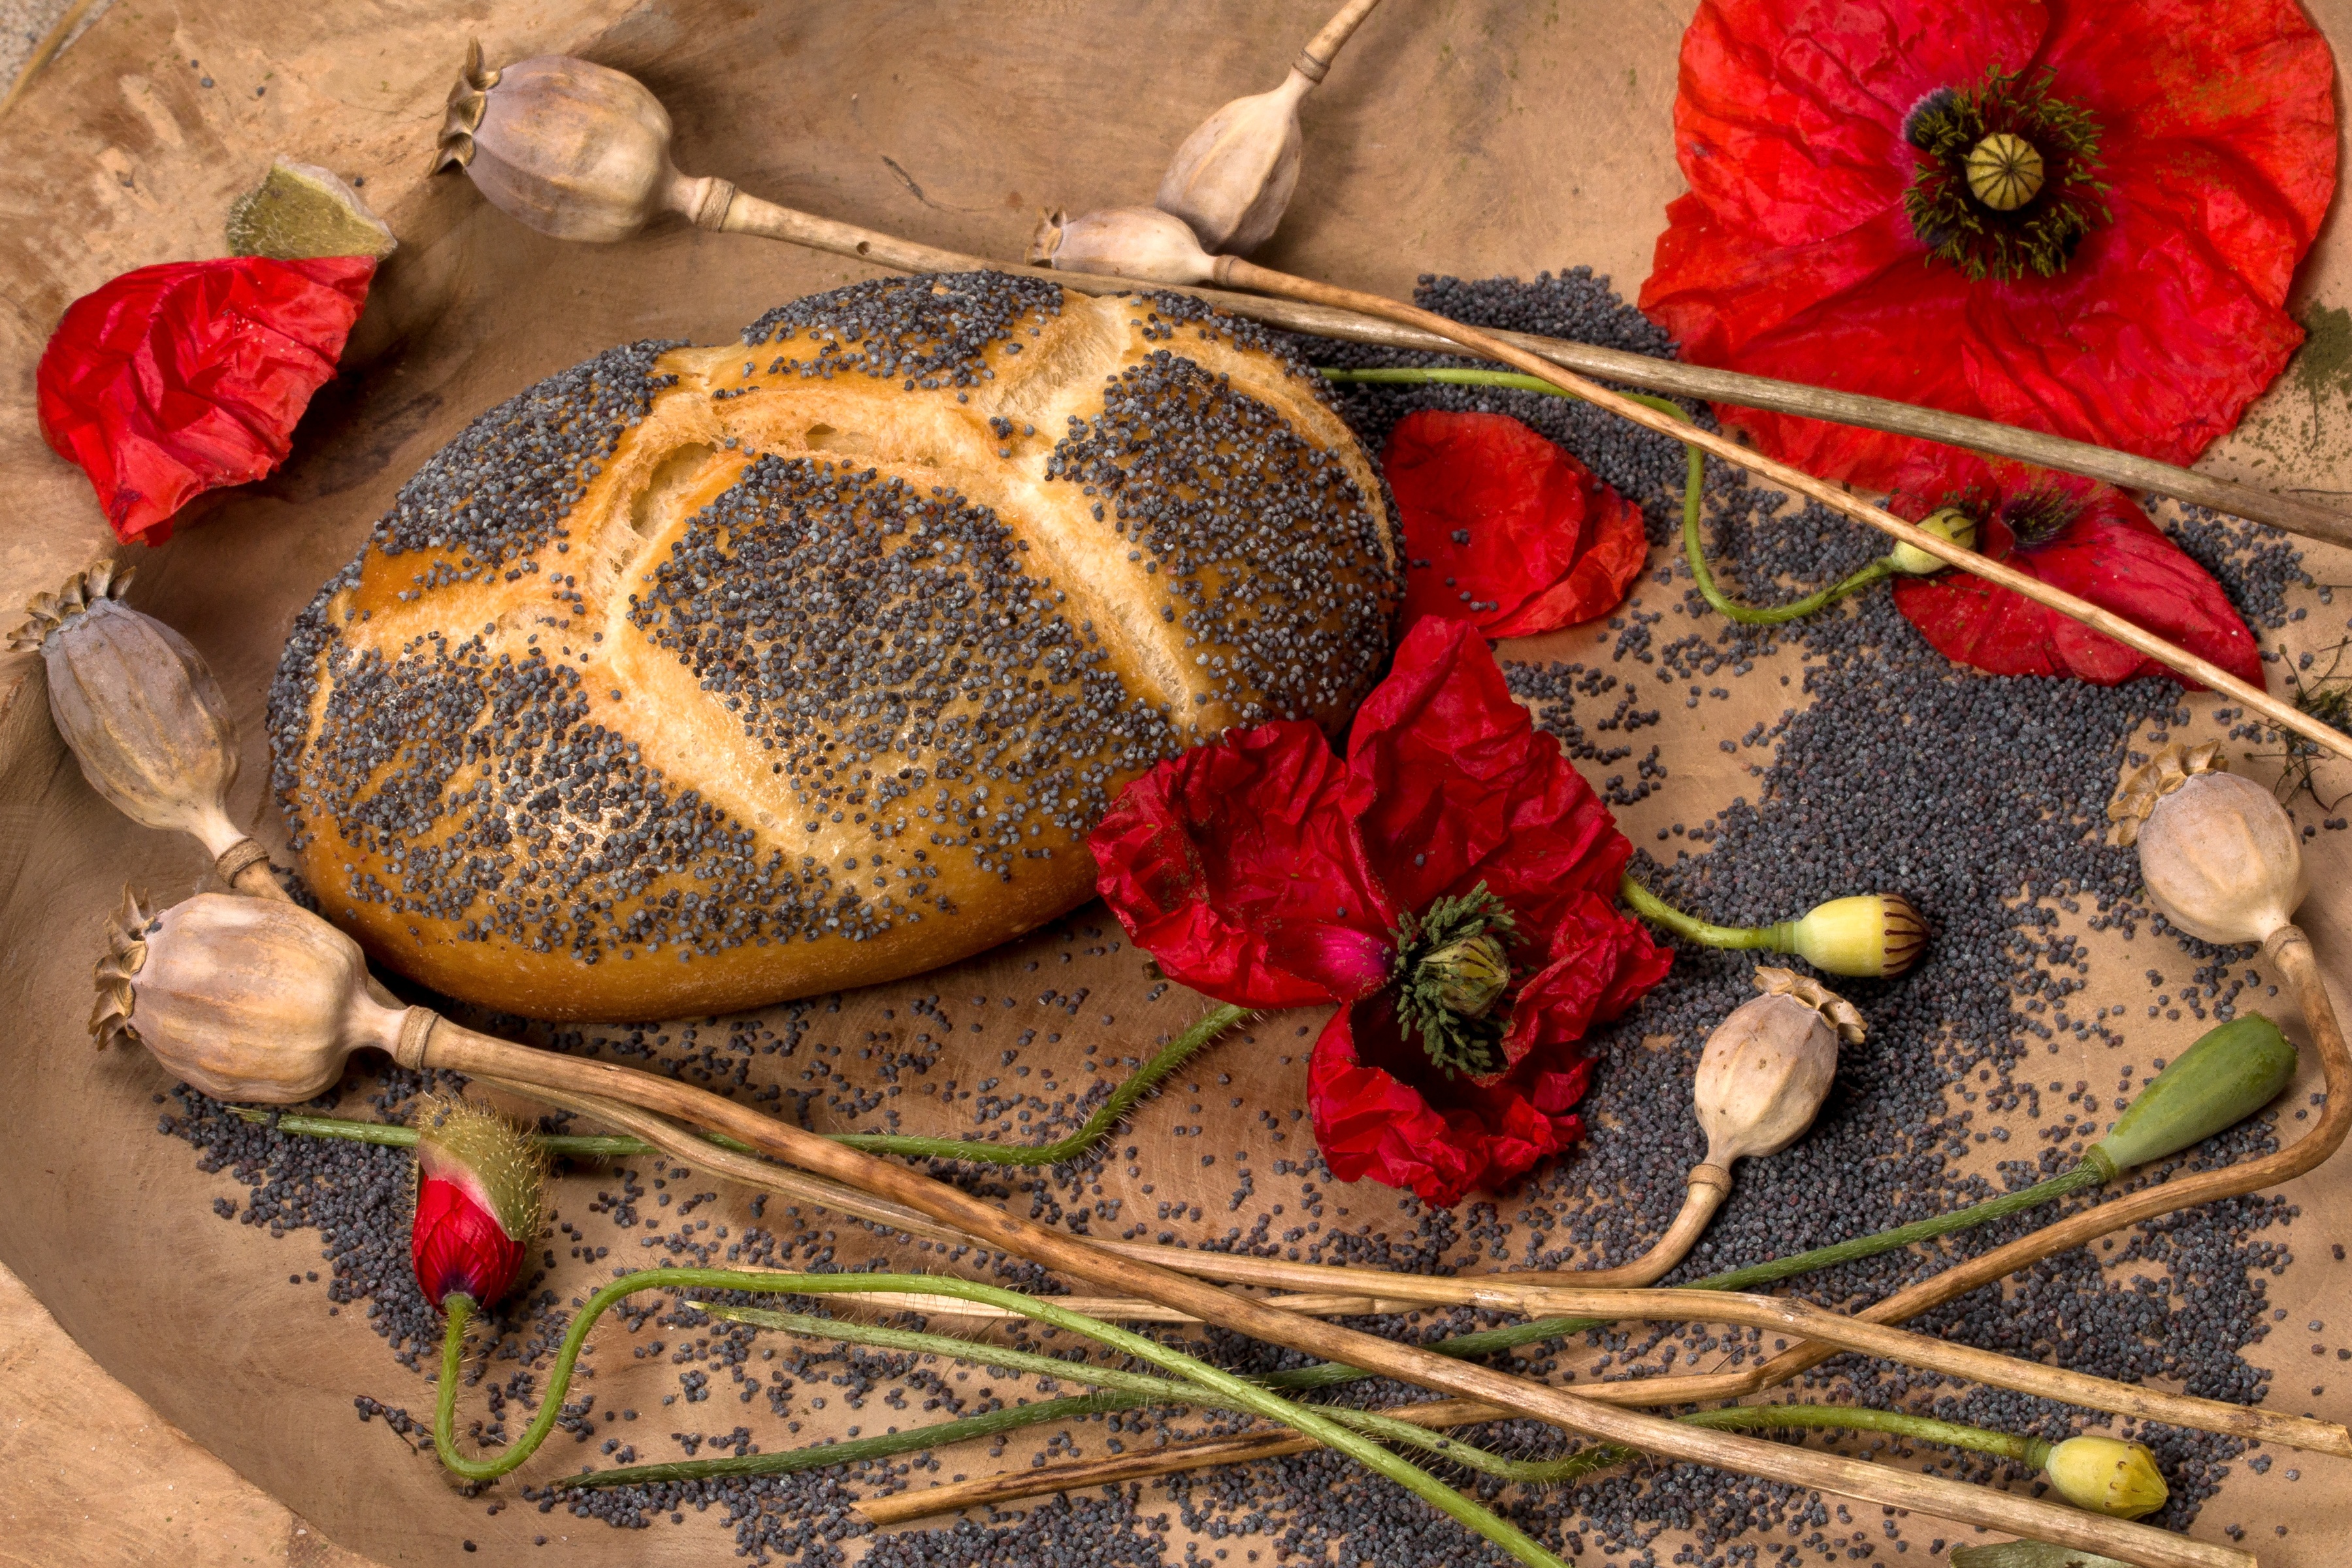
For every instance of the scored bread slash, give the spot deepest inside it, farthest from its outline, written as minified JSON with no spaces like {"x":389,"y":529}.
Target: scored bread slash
{"x":697,"y":679}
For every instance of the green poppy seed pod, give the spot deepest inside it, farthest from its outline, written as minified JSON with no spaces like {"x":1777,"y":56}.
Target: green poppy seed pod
{"x":2233,"y":1071}
{"x":245,"y":998}
{"x":1142,"y":243}
{"x":2106,"y":1475}
{"x":137,"y":706}
{"x":2005,"y":171}
{"x":1869,"y":935}
{"x":1948,"y":523}
{"x":1766,"y":1069}
{"x":574,"y":150}
{"x":1471,"y":975}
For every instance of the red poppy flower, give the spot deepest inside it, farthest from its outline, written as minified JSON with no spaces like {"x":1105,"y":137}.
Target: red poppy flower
{"x":2080,"y":218}
{"x":1504,"y":529}
{"x":177,"y":379}
{"x":1450,"y":885}
{"x":457,"y":1245}
{"x":2086,"y":538}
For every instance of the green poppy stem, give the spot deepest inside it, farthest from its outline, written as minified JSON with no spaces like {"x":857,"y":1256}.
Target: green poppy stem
{"x":1127,"y":1390}
{"x":1247,"y":1395}
{"x":1694,"y":485}
{"x":1166,"y":1061}
{"x":1779,"y":937}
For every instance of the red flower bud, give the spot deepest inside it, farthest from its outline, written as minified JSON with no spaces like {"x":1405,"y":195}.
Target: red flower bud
{"x":478,"y":1203}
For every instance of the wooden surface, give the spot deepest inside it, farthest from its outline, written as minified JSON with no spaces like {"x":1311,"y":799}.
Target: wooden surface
{"x":1475,"y":137}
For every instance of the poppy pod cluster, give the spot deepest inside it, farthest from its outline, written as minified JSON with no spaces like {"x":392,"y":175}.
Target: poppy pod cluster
{"x":1448,"y":884}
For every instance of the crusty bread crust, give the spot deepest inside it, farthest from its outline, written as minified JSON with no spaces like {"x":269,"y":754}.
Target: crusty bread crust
{"x":697,"y":679}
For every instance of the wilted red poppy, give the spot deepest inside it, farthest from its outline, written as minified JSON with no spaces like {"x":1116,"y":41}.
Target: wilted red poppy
{"x":177,"y":379}
{"x":2077,"y":535}
{"x":2078,"y":218}
{"x":1451,"y":885}
{"x":1504,"y":529}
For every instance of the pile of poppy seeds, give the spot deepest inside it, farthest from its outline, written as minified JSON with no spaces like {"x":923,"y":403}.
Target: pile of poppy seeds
{"x":1981,"y":799}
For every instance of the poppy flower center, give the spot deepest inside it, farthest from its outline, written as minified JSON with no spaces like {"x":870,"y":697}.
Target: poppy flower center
{"x":2008,"y":178}
{"x":1452,"y":971}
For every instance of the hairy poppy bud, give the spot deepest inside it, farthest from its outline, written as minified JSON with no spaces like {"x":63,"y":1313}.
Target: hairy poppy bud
{"x":1767,"y":1067}
{"x":2106,"y":1475}
{"x":479,"y":1183}
{"x":1142,"y":243}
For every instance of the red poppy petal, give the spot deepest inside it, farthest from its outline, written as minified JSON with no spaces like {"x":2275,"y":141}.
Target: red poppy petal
{"x":2251,"y":81}
{"x":455,"y":1244}
{"x":1613,"y":556}
{"x":1371,"y":1122}
{"x":1449,"y":783}
{"x":1233,"y":866}
{"x":1503,"y":528}
{"x":1600,"y":963}
{"x":1788,"y":120}
{"x":2110,"y":554}
{"x":177,"y":379}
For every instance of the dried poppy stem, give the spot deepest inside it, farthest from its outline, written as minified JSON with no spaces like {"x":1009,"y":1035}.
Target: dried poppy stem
{"x":614,"y":130}
{"x":2285,"y":715}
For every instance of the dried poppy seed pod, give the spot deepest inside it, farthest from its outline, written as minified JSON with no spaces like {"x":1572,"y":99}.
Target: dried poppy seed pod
{"x":574,"y":150}
{"x":1142,"y":243}
{"x":480,"y":1198}
{"x":1948,"y":523}
{"x":1233,"y":177}
{"x":1767,"y":1067}
{"x":245,"y":998}
{"x":2217,"y":853}
{"x":2106,"y":1475}
{"x":137,"y":709}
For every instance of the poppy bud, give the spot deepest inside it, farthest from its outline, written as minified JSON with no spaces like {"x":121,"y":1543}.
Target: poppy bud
{"x":245,"y":998}
{"x":2106,"y":1475}
{"x":1142,"y":243}
{"x":1767,"y":1067}
{"x":1869,"y":935}
{"x":574,"y":150}
{"x":479,"y":1202}
{"x":1948,"y":524}
{"x":137,"y":706}
{"x":2217,"y":853}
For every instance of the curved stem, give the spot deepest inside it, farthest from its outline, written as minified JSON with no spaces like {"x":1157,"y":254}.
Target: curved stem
{"x":1781,"y":937}
{"x":1166,"y":1061}
{"x":1694,"y":485}
{"x":1127,"y":1390}
{"x":1250,"y":1397}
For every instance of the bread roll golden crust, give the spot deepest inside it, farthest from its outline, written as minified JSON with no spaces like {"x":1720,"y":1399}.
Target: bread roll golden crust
{"x":697,"y":679}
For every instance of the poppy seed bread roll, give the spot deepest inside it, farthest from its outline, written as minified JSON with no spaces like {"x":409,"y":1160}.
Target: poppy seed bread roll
{"x":697,"y":679}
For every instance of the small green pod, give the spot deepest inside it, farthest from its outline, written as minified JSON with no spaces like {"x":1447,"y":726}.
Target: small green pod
{"x":2233,"y":1071}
